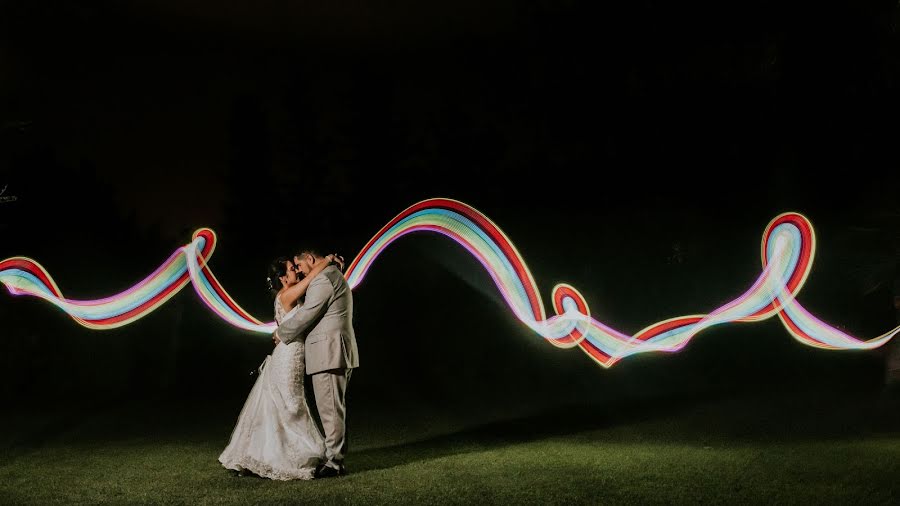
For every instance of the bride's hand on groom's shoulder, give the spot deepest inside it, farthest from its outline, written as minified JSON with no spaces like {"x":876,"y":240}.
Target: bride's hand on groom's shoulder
{"x":336,"y":259}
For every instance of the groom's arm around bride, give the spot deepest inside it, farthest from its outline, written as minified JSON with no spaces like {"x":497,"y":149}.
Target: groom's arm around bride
{"x":300,"y":321}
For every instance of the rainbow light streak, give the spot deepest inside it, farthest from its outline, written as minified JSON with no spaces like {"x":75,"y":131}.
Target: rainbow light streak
{"x":787,"y":252}
{"x":24,"y":276}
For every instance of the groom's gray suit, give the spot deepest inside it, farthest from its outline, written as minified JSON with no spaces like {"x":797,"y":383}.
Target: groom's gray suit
{"x":326,"y":320}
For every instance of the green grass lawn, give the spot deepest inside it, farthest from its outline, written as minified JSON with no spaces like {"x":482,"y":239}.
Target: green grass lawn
{"x":826,"y":448}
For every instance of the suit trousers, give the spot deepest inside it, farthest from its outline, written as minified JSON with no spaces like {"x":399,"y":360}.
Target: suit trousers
{"x":330,"y":388}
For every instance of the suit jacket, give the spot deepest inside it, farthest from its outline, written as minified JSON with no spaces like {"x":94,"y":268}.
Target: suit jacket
{"x":325,"y":320}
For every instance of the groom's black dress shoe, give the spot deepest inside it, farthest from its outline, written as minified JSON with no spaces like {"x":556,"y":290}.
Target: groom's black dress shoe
{"x":328,"y":471}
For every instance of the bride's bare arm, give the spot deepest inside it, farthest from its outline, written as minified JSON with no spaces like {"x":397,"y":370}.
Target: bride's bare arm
{"x":291,"y":294}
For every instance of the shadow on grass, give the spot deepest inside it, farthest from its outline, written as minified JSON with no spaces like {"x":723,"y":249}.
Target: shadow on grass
{"x":720,"y":419}
{"x":561,"y":421}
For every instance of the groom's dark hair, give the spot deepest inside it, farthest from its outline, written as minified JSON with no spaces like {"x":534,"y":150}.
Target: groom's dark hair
{"x":310,"y":250}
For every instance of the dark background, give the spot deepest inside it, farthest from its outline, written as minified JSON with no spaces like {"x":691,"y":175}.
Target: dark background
{"x":635,"y":150}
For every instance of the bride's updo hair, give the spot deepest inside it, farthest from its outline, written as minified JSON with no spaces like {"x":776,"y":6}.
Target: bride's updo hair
{"x":276,"y":270}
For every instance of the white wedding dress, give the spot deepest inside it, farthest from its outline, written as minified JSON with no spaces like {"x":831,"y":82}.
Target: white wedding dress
{"x":275,"y":436}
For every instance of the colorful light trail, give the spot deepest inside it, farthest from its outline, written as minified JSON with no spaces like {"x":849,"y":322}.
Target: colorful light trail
{"x":787,"y":253}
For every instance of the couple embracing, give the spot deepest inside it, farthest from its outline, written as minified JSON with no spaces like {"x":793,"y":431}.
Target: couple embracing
{"x":277,"y":434}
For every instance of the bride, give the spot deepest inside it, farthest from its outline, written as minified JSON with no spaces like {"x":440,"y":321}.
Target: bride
{"x":275,"y":436}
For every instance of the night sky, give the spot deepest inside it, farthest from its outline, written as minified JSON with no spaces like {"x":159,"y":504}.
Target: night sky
{"x":636,"y":150}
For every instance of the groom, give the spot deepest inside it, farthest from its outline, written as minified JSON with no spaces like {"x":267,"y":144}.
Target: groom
{"x":326,"y":321}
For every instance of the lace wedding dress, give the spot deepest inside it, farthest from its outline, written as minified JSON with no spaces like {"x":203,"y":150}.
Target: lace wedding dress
{"x":275,"y":436}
